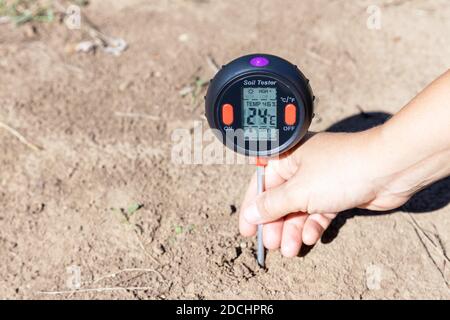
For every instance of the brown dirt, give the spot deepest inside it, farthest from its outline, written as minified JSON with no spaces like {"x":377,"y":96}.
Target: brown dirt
{"x":61,"y":207}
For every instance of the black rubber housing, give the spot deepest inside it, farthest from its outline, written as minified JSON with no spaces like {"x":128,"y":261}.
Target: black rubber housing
{"x":279,"y":69}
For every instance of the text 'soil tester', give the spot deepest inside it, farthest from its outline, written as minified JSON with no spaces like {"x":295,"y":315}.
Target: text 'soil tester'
{"x":261,"y":106}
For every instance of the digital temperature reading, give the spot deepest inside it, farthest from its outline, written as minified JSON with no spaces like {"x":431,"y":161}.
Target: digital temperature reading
{"x":260,"y":113}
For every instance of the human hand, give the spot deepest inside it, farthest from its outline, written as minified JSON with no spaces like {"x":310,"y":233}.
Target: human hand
{"x":326,"y":174}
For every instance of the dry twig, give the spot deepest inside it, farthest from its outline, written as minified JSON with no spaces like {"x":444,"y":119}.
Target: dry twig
{"x":20,"y":137}
{"x":115,"y":274}
{"x":95,"y":290}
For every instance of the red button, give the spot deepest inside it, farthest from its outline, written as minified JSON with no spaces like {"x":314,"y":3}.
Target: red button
{"x":290,"y":114}
{"x":227,"y":114}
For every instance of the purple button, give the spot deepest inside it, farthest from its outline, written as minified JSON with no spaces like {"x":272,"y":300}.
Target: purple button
{"x":259,"y":62}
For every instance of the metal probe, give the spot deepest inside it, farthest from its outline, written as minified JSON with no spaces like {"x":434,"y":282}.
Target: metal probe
{"x":259,"y":237}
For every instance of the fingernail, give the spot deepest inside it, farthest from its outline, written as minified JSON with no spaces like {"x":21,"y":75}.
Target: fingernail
{"x":252,"y":215}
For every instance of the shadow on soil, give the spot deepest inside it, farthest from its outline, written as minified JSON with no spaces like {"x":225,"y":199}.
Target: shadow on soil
{"x":430,"y":199}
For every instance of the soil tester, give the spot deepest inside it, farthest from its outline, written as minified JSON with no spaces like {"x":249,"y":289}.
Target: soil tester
{"x":261,"y":106}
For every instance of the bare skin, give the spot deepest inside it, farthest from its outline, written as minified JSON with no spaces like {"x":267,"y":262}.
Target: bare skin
{"x":377,"y":169}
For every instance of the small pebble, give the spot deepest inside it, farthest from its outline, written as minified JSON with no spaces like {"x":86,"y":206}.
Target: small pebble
{"x":85,"y":46}
{"x":4,"y":19}
{"x":125,"y":85}
{"x":30,"y":31}
{"x":184,"y":37}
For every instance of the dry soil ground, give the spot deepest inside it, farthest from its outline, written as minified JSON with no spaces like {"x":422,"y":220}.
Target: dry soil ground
{"x":64,"y":209}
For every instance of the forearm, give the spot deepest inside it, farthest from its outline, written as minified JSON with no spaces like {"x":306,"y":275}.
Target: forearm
{"x":415,"y":143}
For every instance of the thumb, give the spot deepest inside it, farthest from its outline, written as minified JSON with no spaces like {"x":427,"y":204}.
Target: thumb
{"x":276,"y":203}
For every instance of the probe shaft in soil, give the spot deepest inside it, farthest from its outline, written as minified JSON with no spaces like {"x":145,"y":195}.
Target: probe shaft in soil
{"x":260,"y":182}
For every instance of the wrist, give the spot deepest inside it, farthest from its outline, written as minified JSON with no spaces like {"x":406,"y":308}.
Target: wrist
{"x":398,"y":169}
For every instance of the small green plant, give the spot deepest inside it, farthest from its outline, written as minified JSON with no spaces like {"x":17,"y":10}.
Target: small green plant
{"x":23,"y":11}
{"x":126,"y":214}
{"x":80,"y":3}
{"x":181,"y":229}
{"x":178,"y":229}
{"x":132,"y":209}
{"x":194,"y":89}
{"x":199,"y":84}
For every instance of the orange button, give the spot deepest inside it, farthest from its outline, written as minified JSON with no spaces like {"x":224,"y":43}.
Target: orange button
{"x":290,"y":114}
{"x":227,"y":114}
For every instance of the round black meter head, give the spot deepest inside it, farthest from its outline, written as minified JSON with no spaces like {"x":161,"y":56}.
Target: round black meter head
{"x":259,"y":105}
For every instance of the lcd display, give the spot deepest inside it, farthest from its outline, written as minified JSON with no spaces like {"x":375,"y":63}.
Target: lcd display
{"x":259,"y":113}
